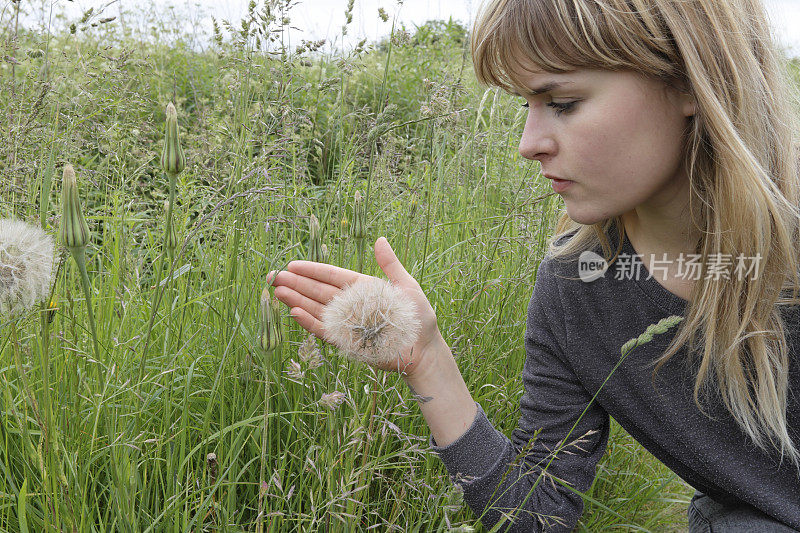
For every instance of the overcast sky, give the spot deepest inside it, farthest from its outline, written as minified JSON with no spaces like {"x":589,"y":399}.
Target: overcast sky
{"x":318,"y":19}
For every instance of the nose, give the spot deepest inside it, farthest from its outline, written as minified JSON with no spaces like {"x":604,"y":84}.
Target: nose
{"x":537,"y":142}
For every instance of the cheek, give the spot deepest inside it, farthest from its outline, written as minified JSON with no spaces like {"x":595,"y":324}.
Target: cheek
{"x":628,"y":144}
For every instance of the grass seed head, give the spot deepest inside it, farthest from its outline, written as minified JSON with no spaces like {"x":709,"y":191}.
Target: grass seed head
{"x":26,"y":266}
{"x":294,"y":370}
{"x":332,"y":400}
{"x":74,"y":229}
{"x":371,"y":321}
{"x":309,"y":353}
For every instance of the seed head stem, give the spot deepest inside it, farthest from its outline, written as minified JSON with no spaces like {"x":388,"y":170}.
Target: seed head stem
{"x":79,"y":255}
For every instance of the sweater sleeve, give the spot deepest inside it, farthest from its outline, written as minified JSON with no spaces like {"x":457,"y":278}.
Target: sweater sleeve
{"x":519,"y":477}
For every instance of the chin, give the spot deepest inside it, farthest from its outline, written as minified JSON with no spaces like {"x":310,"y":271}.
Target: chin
{"x":586,"y":219}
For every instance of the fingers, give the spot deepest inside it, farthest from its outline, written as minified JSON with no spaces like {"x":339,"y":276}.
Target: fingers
{"x":307,"y":287}
{"x":307,"y":322}
{"x":296,"y":300}
{"x":332,"y":275}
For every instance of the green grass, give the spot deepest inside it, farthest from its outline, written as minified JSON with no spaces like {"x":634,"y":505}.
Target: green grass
{"x":267,"y":141}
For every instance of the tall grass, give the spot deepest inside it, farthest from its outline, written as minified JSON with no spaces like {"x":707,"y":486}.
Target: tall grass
{"x":172,"y":437}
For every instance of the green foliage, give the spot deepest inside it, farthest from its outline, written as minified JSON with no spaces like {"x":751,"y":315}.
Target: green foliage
{"x":271,"y":135}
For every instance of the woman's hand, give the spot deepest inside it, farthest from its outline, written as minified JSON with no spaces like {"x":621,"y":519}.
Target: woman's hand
{"x":306,"y":287}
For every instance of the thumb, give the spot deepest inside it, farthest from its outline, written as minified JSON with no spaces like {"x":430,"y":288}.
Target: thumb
{"x":389,"y":262}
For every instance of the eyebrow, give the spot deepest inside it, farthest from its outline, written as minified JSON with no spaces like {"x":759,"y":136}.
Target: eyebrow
{"x":546,"y":88}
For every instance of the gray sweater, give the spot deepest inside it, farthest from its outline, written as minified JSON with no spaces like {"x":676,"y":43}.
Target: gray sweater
{"x":573,"y":338}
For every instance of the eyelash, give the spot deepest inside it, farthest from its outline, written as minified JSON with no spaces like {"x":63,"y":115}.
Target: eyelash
{"x":559,"y":108}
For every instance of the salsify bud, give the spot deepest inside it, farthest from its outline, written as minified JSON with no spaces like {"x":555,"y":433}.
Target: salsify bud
{"x":170,"y":237}
{"x":74,"y":230}
{"x":277,"y":323}
{"x":325,"y":253}
{"x":315,"y":241}
{"x":172,"y":159}
{"x":267,"y":336}
{"x":357,"y":229}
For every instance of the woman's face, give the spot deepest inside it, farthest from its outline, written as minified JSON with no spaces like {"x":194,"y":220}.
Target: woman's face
{"x":617,"y":136}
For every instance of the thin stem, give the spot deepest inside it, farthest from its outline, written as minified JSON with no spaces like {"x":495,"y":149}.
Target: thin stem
{"x":79,"y":254}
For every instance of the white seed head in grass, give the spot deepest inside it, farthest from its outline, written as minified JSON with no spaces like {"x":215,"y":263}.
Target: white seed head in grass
{"x":26,"y":266}
{"x":371,"y":321}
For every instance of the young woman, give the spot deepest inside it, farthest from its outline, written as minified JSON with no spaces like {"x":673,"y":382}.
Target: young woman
{"x":669,"y":128}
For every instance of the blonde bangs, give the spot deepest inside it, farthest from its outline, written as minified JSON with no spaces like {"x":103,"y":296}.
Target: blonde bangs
{"x":560,"y":36}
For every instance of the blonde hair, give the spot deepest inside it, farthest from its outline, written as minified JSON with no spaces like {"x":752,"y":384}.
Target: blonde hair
{"x":741,"y":155}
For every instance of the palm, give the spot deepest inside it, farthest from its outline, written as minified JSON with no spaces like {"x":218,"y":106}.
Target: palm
{"x":306,"y":287}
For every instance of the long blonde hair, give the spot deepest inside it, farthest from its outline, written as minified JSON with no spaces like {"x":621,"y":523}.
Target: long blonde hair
{"x":741,"y":157}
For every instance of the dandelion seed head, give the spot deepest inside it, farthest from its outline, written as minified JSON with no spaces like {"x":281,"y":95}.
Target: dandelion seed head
{"x":371,"y":321}
{"x":26,"y":266}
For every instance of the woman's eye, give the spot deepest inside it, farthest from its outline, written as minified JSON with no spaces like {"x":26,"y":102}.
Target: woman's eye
{"x":559,"y":108}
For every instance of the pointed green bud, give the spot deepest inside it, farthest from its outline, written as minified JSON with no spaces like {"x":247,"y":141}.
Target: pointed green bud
{"x":267,"y":332}
{"x":325,"y":254}
{"x":74,"y":230}
{"x":357,"y":229}
{"x":277,"y":323}
{"x":315,"y":241}
{"x":172,"y":159}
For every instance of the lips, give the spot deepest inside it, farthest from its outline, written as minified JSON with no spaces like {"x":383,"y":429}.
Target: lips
{"x":550,"y":177}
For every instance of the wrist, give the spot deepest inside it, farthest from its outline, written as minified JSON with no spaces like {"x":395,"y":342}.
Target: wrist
{"x":442,"y":396}
{"x":431,"y":361}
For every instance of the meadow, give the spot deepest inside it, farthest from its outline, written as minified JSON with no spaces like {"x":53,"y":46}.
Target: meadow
{"x":177,"y":419}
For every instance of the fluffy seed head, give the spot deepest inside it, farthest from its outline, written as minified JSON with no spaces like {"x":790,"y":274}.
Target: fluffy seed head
{"x":371,"y":321}
{"x":26,"y":266}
